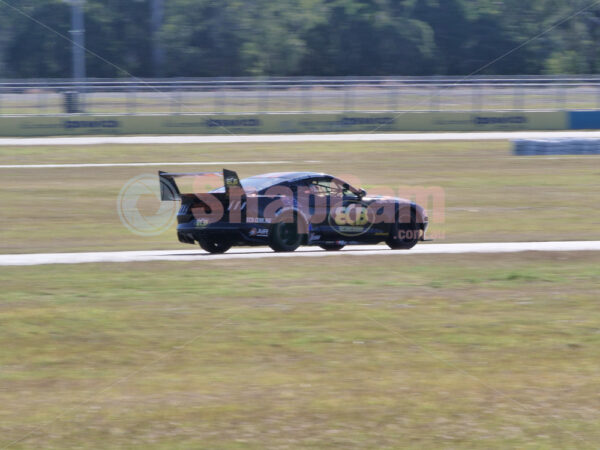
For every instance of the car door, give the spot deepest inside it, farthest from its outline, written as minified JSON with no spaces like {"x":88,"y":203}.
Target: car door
{"x":349,"y":218}
{"x":312,"y":198}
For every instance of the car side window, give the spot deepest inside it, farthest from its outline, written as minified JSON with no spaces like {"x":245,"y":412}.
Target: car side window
{"x":349,"y":194}
{"x":302,"y":188}
{"x":320,"y":187}
{"x":342,"y":189}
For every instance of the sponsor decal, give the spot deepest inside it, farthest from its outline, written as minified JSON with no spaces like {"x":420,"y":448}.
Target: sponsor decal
{"x":259,"y":232}
{"x":347,"y":122}
{"x":502,"y":120}
{"x":345,"y":229}
{"x":91,"y":124}
{"x":350,"y":220}
{"x":201,"y":223}
{"x":366,"y":121}
{"x":257,"y":220}
{"x":353,"y":214}
{"x":231,"y":123}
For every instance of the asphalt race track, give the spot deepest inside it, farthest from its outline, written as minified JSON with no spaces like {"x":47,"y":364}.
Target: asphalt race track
{"x":281,"y":138}
{"x":264,"y":252}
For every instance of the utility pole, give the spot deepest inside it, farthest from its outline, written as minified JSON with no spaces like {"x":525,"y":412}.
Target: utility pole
{"x":78,"y":49}
{"x":157,"y":14}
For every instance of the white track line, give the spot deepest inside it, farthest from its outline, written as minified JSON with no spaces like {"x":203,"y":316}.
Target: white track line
{"x":282,"y":138}
{"x":212,"y":163}
{"x":263,"y":252}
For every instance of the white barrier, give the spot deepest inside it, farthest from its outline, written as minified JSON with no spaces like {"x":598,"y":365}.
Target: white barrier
{"x":566,"y":146}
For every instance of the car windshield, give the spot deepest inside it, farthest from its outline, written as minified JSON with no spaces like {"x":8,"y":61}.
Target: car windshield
{"x":256,"y":183}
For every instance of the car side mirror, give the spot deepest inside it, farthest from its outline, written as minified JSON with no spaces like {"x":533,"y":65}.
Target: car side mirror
{"x":362,"y":193}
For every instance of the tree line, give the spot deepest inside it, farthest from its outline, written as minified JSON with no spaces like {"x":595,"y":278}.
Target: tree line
{"x":208,"y":38}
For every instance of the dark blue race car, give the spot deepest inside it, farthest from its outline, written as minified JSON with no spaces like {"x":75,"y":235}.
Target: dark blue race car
{"x":289,"y":209}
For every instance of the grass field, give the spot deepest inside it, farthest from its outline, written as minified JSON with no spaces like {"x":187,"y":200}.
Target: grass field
{"x":388,"y":352}
{"x":406,"y":351}
{"x":490,"y":195}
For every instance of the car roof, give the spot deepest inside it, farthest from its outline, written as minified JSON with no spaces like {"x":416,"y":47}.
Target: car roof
{"x":291,"y":176}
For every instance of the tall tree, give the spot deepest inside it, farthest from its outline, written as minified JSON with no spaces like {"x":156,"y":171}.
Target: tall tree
{"x":367,"y":38}
{"x":35,"y":51}
{"x":305,"y":37}
{"x":120,"y":32}
{"x":203,"y":38}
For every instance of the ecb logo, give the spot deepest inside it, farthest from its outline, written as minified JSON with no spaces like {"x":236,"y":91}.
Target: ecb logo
{"x":351,"y":220}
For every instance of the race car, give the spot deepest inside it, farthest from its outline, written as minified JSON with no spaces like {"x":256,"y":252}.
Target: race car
{"x":285,"y":210}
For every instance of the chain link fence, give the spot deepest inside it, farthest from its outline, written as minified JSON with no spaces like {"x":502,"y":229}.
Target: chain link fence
{"x":303,"y":95}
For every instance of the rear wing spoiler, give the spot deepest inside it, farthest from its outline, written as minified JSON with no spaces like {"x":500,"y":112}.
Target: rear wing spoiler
{"x":169,"y":191}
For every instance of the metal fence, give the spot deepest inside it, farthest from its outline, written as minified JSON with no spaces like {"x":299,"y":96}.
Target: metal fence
{"x":305,"y":95}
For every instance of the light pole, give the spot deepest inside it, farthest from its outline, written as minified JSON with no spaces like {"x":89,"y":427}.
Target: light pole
{"x":78,"y":48}
{"x":157,"y":13}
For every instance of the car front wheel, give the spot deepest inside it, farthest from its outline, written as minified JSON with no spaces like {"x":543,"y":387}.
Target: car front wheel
{"x":404,"y":236}
{"x":404,"y":241}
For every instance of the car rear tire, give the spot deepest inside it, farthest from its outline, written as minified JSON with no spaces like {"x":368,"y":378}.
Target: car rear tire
{"x":332,"y":247}
{"x":214,"y":246}
{"x":284,"y":237}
